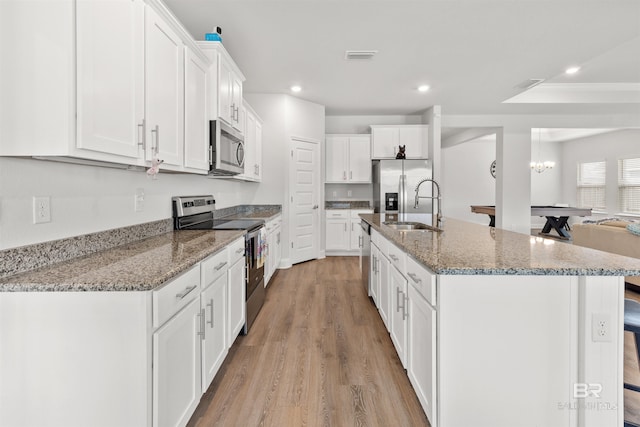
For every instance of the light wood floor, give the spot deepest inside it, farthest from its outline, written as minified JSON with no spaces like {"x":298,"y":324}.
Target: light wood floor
{"x":317,"y":355}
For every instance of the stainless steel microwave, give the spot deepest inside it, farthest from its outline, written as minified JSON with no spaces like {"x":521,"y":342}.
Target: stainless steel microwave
{"x":226,"y":150}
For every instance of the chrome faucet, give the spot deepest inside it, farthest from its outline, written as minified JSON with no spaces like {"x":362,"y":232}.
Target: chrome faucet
{"x":436,"y":220}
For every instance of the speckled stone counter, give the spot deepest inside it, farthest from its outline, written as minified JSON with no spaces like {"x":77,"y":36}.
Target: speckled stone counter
{"x":466,"y":248}
{"x":266,"y":212}
{"x":139,"y":266}
{"x":352,"y":204}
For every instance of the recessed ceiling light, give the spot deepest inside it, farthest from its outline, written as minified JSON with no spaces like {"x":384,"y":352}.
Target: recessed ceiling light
{"x":296,"y":88}
{"x":423,"y":88}
{"x":572,"y":70}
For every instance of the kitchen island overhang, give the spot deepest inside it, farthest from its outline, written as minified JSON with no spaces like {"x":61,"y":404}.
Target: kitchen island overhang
{"x":516,"y":341}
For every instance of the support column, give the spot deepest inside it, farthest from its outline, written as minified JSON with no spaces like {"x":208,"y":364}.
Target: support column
{"x":513,"y":179}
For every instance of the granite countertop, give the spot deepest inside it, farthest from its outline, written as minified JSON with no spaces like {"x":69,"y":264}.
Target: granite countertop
{"x":352,"y":204}
{"x":467,"y":248}
{"x":267,"y":215}
{"x":139,"y":266}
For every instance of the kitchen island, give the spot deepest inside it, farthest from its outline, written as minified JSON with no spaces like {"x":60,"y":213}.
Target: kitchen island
{"x":501,"y":328}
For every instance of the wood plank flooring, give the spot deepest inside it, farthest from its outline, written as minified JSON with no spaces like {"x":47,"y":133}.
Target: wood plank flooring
{"x":317,"y":355}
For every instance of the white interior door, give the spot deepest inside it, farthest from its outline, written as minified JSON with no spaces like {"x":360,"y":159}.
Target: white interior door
{"x":305,"y":194}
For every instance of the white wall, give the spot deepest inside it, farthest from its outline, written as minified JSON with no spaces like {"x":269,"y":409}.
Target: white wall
{"x":284,"y":117}
{"x":86,"y":199}
{"x":360,"y":124}
{"x":466,"y":178}
{"x":609,"y":147}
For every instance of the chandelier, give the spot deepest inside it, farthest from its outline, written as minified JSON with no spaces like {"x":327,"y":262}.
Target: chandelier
{"x":539,"y":166}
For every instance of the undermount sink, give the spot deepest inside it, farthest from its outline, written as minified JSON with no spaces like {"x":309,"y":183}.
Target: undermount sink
{"x":411,"y":226}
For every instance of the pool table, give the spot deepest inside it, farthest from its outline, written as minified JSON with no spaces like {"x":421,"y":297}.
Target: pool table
{"x":557,"y":217}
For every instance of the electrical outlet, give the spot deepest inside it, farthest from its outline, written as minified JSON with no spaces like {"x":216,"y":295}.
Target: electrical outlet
{"x":139,"y":200}
{"x":601,"y":327}
{"x":41,"y":209}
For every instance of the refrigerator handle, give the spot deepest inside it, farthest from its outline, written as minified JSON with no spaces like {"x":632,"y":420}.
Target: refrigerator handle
{"x":401,"y":195}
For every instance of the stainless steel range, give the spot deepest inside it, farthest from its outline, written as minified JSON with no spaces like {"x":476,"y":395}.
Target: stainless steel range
{"x":196,"y":213}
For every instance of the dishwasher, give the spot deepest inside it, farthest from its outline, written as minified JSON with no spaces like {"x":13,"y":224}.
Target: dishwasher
{"x":365,"y":254}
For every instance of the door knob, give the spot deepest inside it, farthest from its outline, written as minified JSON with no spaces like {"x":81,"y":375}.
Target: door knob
{"x":315,"y":206}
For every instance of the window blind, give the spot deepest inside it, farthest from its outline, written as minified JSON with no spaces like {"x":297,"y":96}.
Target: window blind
{"x":591,"y":185}
{"x":629,"y":185}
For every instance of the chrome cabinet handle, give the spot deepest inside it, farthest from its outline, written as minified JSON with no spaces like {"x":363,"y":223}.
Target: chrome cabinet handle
{"x":186,"y":292}
{"x":232,"y":109}
{"x":240,"y":250}
{"x":155,"y":147}
{"x":398,"y":291}
{"x":315,"y":207}
{"x":359,"y":241}
{"x":141,"y":134}
{"x":414,"y":277}
{"x":345,"y":226}
{"x":393,"y":257}
{"x":210,"y":304}
{"x":219,"y":266}
{"x":202,"y":328}
{"x":405,"y":313}
{"x":237,"y":114}
{"x":278,"y":238}
{"x":246,"y":274}
{"x":373,"y":264}
{"x":350,"y":174}
{"x":344,"y":175}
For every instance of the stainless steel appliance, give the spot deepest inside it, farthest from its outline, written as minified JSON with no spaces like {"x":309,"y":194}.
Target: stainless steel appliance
{"x":226,"y":152}
{"x":365,"y":254}
{"x":196,"y":213}
{"x":394,"y":186}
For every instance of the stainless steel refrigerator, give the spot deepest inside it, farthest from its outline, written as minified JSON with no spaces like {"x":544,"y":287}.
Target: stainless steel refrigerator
{"x":394,"y":186}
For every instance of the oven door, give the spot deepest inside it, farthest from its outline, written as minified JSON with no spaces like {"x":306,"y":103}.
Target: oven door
{"x":255,"y":271}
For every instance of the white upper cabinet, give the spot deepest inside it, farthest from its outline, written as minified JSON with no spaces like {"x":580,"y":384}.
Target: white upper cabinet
{"x":252,"y":144}
{"x":347,"y":159}
{"x":386,"y":139}
{"x":164,"y":79}
{"x":110,"y":77}
{"x":225,"y":85}
{"x":196,"y":116}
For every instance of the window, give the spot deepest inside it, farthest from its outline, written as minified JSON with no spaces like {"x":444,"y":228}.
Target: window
{"x":591,"y":186}
{"x":629,"y":185}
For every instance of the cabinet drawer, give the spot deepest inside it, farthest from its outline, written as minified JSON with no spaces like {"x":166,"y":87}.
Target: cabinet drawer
{"x":174,"y":295}
{"x":356,"y":213}
{"x":236,"y":251}
{"x":422,"y":280}
{"x":214,"y":266}
{"x":397,"y":257}
{"x":336,"y":214}
{"x":380,"y":242}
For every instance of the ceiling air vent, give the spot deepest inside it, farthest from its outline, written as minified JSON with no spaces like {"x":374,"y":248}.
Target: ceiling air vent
{"x":359,"y":54}
{"x":529,"y":83}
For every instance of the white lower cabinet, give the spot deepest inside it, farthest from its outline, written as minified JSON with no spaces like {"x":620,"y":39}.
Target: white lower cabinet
{"x":236,"y":294}
{"x":176,"y":367}
{"x":274,"y":248}
{"x":214,"y":342}
{"x":421,"y":357}
{"x":374,"y":275}
{"x":398,"y":285}
{"x":342,"y":231}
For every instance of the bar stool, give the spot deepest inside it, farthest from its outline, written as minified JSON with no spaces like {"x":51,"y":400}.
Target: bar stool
{"x":632,"y":324}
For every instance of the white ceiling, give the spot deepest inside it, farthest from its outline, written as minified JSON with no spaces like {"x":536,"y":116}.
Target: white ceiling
{"x":473,"y":53}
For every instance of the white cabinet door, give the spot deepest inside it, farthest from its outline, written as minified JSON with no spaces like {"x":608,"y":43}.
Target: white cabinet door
{"x":214,"y":343}
{"x":110,"y":76}
{"x":384,"y":141}
{"x":337,"y":234}
{"x":164,"y":81}
{"x":336,"y":158}
{"x":196,"y":116}
{"x":384,"y":292}
{"x":249,"y":146}
{"x":421,"y":357}
{"x":236,"y":102}
{"x":236,"y":306}
{"x":398,"y":285}
{"x":414,"y":139}
{"x":258,"y":151}
{"x":359,"y":159}
{"x":278,"y":248}
{"x":374,"y":281}
{"x":177,"y":367}
{"x":225,"y":111}
{"x":354,"y":234}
